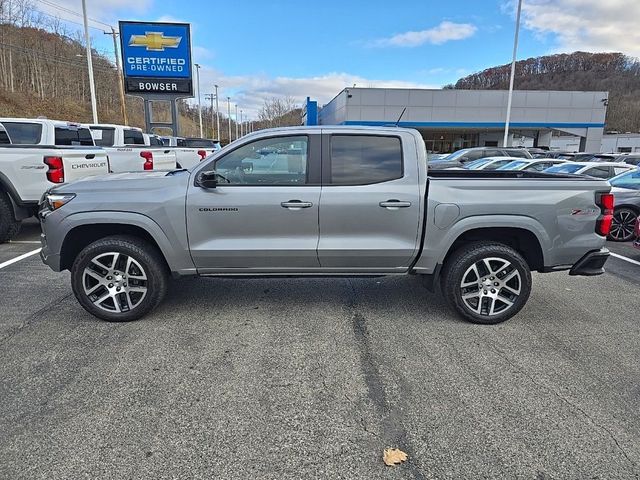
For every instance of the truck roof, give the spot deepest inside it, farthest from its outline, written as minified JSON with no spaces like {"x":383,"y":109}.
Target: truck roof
{"x":42,"y":121}
{"x":110,"y":125}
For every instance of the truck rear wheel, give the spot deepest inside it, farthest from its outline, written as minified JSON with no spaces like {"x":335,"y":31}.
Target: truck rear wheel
{"x":486,"y":282}
{"x":119,"y":278}
{"x":9,"y":226}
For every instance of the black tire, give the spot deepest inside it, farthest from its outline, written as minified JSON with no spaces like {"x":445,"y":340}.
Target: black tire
{"x":494,"y":295}
{"x":622,"y":227}
{"x":9,"y":226}
{"x":142,"y":252}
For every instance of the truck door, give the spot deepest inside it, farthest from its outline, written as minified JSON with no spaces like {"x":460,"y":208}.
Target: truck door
{"x":263,"y":214}
{"x":370,"y":207}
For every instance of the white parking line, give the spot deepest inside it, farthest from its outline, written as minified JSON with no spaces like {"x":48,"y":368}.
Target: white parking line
{"x":24,"y":241}
{"x":626,"y":259}
{"x":21,"y":257}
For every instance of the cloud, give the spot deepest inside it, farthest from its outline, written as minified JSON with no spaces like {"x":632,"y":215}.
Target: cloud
{"x":588,"y":25}
{"x":437,"y":35}
{"x":250,"y":91}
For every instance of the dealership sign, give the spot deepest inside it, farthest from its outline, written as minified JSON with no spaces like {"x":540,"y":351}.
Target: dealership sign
{"x":156,"y":58}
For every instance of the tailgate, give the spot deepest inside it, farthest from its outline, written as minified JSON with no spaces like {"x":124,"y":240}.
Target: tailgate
{"x":83,"y":163}
{"x":163,"y":158}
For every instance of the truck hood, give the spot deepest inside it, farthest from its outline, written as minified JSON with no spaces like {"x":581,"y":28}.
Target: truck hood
{"x":124,"y":182}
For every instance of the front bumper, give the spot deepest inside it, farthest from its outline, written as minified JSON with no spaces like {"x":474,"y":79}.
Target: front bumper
{"x":591,"y":264}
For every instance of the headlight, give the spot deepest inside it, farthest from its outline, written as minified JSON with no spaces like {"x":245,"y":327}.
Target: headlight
{"x":55,"y":200}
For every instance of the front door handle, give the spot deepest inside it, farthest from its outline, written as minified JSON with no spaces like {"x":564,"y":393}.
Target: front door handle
{"x":394,"y":204}
{"x":296,"y":204}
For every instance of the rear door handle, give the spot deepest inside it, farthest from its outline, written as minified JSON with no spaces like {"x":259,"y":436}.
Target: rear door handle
{"x":394,"y":204}
{"x":296,"y":204}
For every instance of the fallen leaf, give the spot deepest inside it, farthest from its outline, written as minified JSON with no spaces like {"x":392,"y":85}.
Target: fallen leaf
{"x":393,"y":456}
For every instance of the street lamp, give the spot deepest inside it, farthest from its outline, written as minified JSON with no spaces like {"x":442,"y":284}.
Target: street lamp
{"x":197,"y":65}
{"x":241,"y":126}
{"x":217,"y":116}
{"x":229,"y":116}
{"x":92,"y":85}
{"x":236,"y":121}
{"x":513,"y":73}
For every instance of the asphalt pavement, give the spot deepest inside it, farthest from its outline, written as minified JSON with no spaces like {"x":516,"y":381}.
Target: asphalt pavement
{"x":313,"y":378}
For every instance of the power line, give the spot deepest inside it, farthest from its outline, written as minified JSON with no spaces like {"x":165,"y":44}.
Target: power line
{"x":72,"y":12}
{"x":54,"y":58}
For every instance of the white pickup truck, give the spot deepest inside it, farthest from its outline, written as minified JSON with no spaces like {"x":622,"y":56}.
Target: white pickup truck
{"x":128,"y":151}
{"x":191,"y":151}
{"x":36,"y":154}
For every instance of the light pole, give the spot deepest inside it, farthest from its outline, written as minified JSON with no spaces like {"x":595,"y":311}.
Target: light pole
{"x":210,"y":96}
{"x":217,"y":116}
{"x":92,"y":86}
{"x":197,"y":65}
{"x":513,"y":73}
{"x":229,"y":116}
{"x":241,"y":124}
{"x":236,"y":121}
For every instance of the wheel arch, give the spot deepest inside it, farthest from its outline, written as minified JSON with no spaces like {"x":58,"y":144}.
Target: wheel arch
{"x":83,"y":229}
{"x":522,"y":240}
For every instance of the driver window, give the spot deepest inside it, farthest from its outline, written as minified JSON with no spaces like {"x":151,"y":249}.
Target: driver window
{"x":271,"y":161}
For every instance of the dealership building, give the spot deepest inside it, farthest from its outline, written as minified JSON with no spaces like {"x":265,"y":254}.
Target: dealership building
{"x":452,"y":119}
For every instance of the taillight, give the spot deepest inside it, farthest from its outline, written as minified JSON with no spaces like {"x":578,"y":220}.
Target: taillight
{"x":203,"y":154}
{"x":148,"y":160}
{"x":55,"y":174}
{"x":603,"y":224}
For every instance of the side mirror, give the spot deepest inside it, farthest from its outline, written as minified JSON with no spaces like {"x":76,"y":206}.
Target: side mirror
{"x":207,"y":179}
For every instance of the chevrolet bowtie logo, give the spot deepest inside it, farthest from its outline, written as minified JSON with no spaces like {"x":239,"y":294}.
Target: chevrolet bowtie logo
{"x":154,"y":41}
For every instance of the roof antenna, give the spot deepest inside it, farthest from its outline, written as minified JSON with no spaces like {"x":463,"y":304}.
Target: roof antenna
{"x":400,"y":117}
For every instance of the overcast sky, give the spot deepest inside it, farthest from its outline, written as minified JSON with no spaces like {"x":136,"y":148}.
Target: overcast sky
{"x":255,"y":49}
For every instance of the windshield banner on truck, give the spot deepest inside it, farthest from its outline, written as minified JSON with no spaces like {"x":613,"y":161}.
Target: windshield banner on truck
{"x":156,"y":57}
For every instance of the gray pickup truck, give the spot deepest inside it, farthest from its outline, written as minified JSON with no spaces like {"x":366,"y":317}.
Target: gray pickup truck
{"x":324,"y":201}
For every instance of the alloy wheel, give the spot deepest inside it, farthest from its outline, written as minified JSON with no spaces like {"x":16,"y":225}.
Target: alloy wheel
{"x":114,"y":282}
{"x":491,"y":286}
{"x":622,"y":226}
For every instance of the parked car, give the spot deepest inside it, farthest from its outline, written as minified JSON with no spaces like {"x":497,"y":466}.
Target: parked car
{"x":489,"y":163}
{"x":560,"y":155}
{"x":128,"y":151}
{"x":604,"y":170}
{"x":191,"y":151}
{"x":152,"y":140}
{"x":466,"y":155}
{"x":365,"y":213}
{"x":626,"y":192}
{"x":534,"y":165}
{"x":630,"y":159}
{"x":46,"y":154}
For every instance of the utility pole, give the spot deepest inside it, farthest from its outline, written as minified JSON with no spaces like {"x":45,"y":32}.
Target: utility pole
{"x":236,"y":121}
{"x":210,"y":96}
{"x":217,"y":116}
{"x":513,"y":74}
{"x":92,"y":86}
{"x":229,"y":116}
{"x":123,"y":106}
{"x":197,"y":65}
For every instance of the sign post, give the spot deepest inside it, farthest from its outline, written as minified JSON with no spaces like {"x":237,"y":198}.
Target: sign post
{"x":156,"y":60}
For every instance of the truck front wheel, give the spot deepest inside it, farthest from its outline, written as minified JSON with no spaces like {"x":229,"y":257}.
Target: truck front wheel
{"x":9,"y":226}
{"x":119,"y":278}
{"x":486,"y":282}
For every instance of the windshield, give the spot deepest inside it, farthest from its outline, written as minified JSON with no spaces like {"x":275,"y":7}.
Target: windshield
{"x":455,"y":155}
{"x":630,"y":180}
{"x":565,"y":168}
{"x":513,"y":165}
{"x":476,"y":163}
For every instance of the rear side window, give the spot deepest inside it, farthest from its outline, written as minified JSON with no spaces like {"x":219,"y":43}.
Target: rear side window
{"x":600,"y":172}
{"x":73,"y":136}
{"x":23,"y":133}
{"x":199,"y":142}
{"x":363,"y":159}
{"x":518,"y":153}
{"x":133,"y":137}
{"x":155,"y":141}
{"x":104,"y":137}
{"x":4,"y":137}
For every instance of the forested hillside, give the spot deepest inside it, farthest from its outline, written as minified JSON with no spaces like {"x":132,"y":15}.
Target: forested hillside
{"x":43,"y":72}
{"x":613,"y":72}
